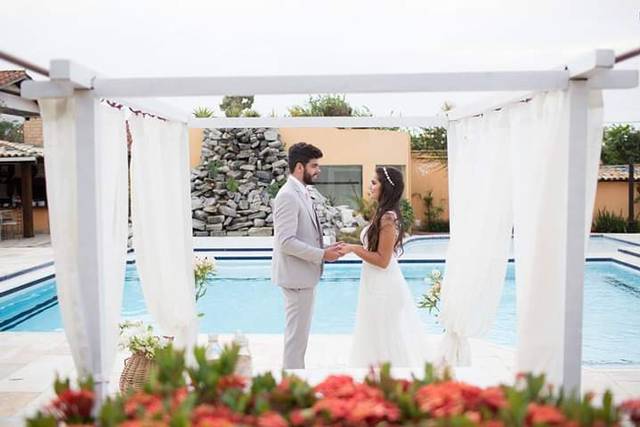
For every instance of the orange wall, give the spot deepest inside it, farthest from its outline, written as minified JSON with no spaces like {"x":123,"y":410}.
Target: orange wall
{"x":40,"y":220}
{"x":614,"y":197}
{"x":195,"y":145}
{"x":366,"y":147}
{"x":429,"y":173}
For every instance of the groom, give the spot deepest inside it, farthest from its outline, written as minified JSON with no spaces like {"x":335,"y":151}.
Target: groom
{"x":298,"y":252}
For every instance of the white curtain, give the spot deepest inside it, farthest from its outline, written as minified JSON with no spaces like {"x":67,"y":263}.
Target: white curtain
{"x":161,"y":215}
{"x":540,"y":147}
{"x":526,"y":144}
{"x":93,"y":351}
{"x":481,"y":221}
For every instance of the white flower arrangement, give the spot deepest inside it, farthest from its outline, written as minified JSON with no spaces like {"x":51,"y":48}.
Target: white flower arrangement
{"x":138,"y":337}
{"x":431,"y":298}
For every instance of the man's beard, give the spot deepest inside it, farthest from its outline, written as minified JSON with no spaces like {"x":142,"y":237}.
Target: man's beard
{"x":307,"y":178}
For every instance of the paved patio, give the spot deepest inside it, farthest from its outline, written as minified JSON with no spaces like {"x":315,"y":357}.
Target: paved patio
{"x":30,"y":360}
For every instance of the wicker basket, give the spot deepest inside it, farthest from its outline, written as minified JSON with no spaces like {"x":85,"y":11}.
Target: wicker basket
{"x":135,"y":372}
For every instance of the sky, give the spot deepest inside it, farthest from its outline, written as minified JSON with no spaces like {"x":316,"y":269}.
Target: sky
{"x":137,"y":38}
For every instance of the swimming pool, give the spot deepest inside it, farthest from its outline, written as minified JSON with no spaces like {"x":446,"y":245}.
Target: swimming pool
{"x":241,"y":297}
{"x":437,"y":245}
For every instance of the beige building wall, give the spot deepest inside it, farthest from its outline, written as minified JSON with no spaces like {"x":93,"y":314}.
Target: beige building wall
{"x":365,"y":147}
{"x":195,"y":145}
{"x":614,"y":196}
{"x":32,"y":129}
{"x":429,"y":174}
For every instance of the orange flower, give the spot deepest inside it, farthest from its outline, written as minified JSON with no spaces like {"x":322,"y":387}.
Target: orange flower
{"x":335,"y":408}
{"x":544,"y":414}
{"x":214,"y":422}
{"x":146,"y":404}
{"x":179,"y":396}
{"x":373,"y":411}
{"x":272,"y":419}
{"x":337,"y":386}
{"x":632,"y":408}
{"x":493,"y":398}
{"x":299,"y":416}
{"x":447,"y":399}
{"x":231,"y":381}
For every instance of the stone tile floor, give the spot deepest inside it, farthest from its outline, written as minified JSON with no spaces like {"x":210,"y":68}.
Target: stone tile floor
{"x":29,"y":362}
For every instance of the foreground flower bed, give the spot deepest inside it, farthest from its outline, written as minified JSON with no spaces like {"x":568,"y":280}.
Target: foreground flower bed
{"x":211,"y":395}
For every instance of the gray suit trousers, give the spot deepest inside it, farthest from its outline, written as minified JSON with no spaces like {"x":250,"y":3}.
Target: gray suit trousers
{"x":298,"y":311}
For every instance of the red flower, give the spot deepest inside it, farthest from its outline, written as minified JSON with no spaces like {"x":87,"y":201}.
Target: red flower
{"x":632,"y":408}
{"x":448,"y":399}
{"x":179,"y":396}
{"x":335,"y":408}
{"x":214,"y":422}
{"x":231,"y":381}
{"x":142,"y":403}
{"x":493,"y":398}
{"x":373,"y":411}
{"x":73,"y":404}
{"x":298,"y":417}
{"x":337,"y":386}
{"x":272,"y":419}
{"x":544,"y":414}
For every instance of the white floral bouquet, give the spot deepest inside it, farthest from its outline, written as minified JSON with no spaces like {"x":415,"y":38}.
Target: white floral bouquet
{"x":137,"y":337}
{"x":431,"y":298}
{"x":203,"y":271}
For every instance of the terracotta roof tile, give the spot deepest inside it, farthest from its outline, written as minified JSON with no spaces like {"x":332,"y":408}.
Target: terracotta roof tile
{"x":617,"y":173}
{"x":19,"y":149}
{"x":9,"y":77}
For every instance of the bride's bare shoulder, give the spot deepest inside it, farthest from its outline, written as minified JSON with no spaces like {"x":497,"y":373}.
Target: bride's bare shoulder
{"x":389,"y":217}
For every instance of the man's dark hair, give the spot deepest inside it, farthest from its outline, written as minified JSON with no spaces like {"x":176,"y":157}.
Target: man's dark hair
{"x":302,"y":153}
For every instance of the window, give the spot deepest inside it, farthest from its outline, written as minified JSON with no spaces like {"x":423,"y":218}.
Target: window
{"x":340,"y":184}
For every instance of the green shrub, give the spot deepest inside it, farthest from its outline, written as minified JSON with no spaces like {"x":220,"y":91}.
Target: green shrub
{"x":202,"y":113}
{"x":609,"y":222}
{"x":408,"y":216}
{"x":274,"y":187}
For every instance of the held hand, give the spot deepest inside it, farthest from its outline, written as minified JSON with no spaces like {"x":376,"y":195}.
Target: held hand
{"x":345,"y":249}
{"x":331,"y":253}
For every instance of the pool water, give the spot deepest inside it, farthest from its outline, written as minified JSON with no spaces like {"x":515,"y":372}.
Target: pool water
{"x":241,"y":297}
{"x":436,"y":246}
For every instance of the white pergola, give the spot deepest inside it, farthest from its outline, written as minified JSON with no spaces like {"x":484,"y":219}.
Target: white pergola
{"x":592,"y":71}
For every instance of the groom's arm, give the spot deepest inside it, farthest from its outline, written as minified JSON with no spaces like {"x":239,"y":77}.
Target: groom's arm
{"x":285,"y":218}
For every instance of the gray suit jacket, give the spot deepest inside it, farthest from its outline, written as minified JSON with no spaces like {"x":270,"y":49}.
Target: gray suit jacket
{"x":297,"y":251}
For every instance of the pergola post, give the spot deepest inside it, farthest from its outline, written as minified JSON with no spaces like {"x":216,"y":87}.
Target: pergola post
{"x":575,"y":235}
{"x":91,"y":277}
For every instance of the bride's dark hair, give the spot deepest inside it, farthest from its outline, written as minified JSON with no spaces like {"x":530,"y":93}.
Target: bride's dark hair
{"x":391,"y":190}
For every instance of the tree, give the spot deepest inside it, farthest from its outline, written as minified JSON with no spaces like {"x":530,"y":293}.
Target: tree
{"x":328,"y":106}
{"x":621,"y":145}
{"x":238,"y":106}
{"x":11,"y":130}
{"x":430,"y":139}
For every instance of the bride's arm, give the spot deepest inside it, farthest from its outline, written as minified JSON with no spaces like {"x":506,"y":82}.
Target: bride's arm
{"x":386,"y":242}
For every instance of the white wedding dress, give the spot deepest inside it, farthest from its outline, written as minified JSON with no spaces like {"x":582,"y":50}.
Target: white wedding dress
{"x":388,"y":327}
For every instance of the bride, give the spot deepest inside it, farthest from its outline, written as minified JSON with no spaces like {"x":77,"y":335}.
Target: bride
{"x":388,"y":327}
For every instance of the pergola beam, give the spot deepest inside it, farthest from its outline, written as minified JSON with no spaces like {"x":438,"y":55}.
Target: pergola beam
{"x":16,"y":105}
{"x":317,"y":122}
{"x":78,"y":75}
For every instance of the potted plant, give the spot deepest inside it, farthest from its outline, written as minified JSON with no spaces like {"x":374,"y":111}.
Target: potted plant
{"x":139,"y":339}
